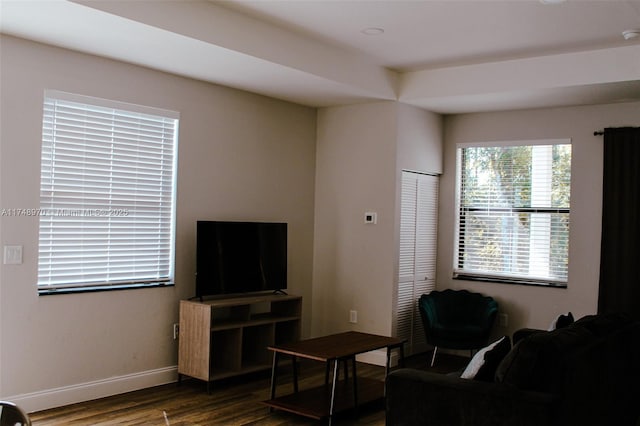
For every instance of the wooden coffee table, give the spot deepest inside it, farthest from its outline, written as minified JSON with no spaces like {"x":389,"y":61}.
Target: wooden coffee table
{"x":334,"y":396}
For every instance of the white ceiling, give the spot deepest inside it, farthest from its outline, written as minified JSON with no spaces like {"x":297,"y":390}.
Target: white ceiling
{"x":430,"y":33}
{"x":449,"y":56}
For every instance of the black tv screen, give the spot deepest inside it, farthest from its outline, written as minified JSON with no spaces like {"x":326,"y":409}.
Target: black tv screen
{"x":240,"y":257}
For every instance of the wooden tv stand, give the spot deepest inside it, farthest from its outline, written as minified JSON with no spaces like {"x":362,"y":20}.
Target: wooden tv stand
{"x":227,"y":337}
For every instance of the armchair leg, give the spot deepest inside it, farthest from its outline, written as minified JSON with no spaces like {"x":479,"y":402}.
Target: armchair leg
{"x":433,"y":357}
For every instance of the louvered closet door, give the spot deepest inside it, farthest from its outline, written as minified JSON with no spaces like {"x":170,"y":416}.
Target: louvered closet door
{"x":417,"y":258}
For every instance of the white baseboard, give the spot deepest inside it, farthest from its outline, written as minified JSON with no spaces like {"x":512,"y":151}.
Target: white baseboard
{"x":66,"y":395}
{"x":58,"y":397}
{"x":378,"y":357}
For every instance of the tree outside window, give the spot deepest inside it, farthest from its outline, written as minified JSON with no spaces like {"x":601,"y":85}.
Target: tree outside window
{"x":513,"y":214}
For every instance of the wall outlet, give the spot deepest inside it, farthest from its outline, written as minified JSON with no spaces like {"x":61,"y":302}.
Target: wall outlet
{"x":353,"y":317}
{"x":371,"y":217}
{"x":176,"y":331}
{"x":503,"y":320}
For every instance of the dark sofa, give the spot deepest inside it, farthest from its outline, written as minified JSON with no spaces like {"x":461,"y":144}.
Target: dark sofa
{"x":585,"y":374}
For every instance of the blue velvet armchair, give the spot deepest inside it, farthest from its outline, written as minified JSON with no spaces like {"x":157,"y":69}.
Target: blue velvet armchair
{"x":457,"y":319}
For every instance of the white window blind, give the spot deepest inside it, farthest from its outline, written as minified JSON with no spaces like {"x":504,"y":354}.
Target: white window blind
{"x":106,"y":195}
{"x":513,"y":212}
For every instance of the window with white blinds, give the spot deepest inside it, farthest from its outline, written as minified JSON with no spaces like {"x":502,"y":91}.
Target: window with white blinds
{"x":513,"y":212}
{"x":107,"y":195}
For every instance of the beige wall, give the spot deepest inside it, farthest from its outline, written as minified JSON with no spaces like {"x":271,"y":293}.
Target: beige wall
{"x":419,"y":141}
{"x":241,"y":157}
{"x":527,"y":305}
{"x":355,"y":173}
{"x":361,"y":151}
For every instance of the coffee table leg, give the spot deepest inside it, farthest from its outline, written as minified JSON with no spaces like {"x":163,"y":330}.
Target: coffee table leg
{"x":355,"y":385}
{"x":388,"y":364}
{"x":386,"y":370}
{"x":400,"y":347}
{"x":295,"y":373}
{"x":327,"y":366}
{"x":333,"y":388}
{"x":274,"y":371}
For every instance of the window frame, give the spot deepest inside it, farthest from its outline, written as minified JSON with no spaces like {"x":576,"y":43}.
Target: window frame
{"x":459,"y":273}
{"x":50,"y":208}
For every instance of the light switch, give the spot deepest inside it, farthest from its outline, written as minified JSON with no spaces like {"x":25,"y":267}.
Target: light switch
{"x":13,"y":255}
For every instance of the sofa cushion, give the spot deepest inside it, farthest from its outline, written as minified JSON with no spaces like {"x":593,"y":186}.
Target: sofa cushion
{"x":604,"y":325}
{"x":485,"y":362}
{"x":540,"y":361}
{"x":456,"y":331}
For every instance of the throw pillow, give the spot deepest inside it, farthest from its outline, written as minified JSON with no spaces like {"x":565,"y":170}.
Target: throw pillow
{"x":561,"y":321}
{"x":485,"y":362}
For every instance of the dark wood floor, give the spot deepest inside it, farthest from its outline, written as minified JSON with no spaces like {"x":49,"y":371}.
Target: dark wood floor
{"x":231,"y":402}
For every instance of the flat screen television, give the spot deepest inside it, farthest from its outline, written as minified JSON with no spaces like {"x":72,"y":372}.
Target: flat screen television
{"x":240,"y":257}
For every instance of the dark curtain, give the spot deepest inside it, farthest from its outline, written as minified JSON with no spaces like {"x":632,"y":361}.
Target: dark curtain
{"x":620,"y":247}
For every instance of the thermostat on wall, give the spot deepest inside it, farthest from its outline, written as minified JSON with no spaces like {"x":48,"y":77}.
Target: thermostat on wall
{"x":371,"y":217}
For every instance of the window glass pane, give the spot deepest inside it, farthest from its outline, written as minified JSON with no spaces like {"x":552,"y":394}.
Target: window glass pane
{"x":107,"y":195}
{"x":513,"y":217}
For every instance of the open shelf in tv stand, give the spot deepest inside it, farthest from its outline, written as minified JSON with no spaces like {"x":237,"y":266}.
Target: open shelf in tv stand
{"x":227,"y":337}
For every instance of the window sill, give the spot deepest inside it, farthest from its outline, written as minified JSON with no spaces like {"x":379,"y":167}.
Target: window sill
{"x":515,"y":281}
{"x":93,"y":289}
